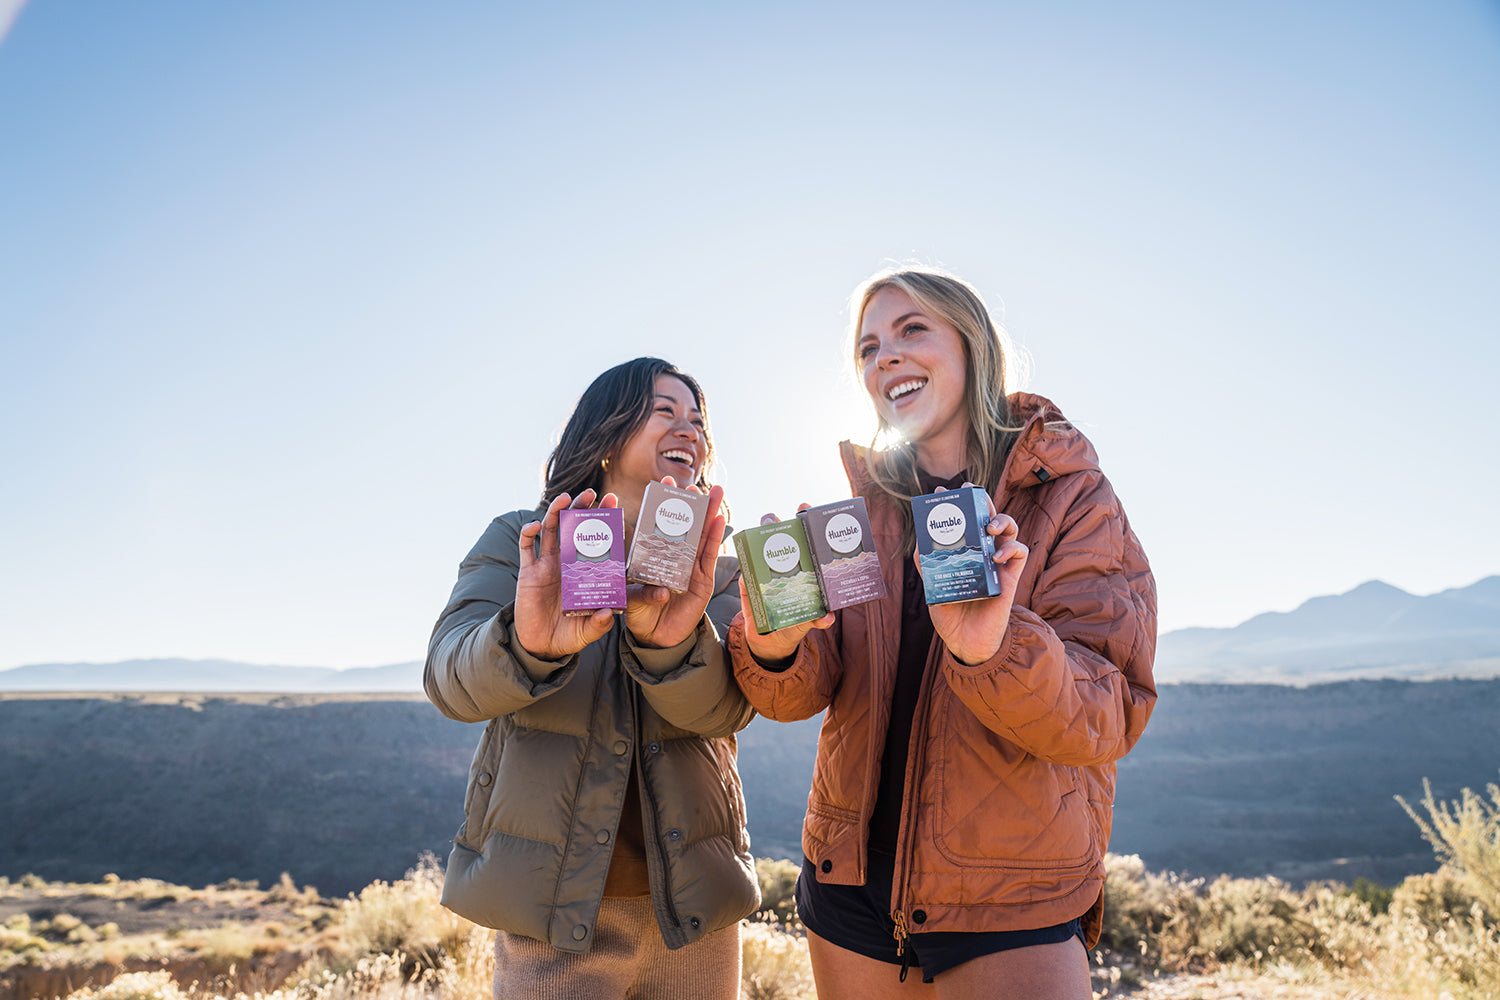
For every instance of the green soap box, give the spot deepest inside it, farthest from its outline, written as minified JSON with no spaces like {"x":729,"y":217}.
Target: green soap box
{"x":777,"y":565}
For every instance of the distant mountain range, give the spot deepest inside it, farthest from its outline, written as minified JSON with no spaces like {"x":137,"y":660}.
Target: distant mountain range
{"x":1374,"y":631}
{"x":209,"y":675}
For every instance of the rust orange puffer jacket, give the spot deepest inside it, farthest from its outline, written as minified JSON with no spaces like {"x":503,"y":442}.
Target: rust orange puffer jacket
{"x":1011,"y":767}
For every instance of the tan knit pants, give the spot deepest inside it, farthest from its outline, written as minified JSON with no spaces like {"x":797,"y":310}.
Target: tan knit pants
{"x":628,"y":961}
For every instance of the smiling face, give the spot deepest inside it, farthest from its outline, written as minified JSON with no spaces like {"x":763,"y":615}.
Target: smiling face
{"x":914,"y":368}
{"x":670,"y":443}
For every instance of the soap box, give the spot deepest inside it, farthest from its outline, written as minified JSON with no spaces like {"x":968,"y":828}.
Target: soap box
{"x":592,"y":546}
{"x":665,"y":545}
{"x":955,"y":552}
{"x":843,"y":553}
{"x":777,"y":566}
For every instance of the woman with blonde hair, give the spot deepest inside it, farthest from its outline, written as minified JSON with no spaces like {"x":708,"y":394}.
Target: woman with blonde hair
{"x":604,"y":830}
{"x":962,"y":794}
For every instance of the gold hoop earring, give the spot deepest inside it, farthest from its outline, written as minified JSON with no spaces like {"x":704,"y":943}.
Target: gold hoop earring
{"x":604,"y":464}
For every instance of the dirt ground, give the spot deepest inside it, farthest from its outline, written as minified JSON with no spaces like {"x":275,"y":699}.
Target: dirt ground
{"x":1209,"y":987}
{"x":138,"y":916}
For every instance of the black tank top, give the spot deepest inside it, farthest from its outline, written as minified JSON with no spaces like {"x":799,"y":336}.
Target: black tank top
{"x":911,"y":664}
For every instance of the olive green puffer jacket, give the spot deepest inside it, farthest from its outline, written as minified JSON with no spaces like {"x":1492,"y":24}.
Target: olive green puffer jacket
{"x":550,"y":775}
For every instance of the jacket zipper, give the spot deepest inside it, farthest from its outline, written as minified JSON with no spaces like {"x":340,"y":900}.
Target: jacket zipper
{"x":901,"y":935}
{"x":906,"y":838}
{"x":666,"y":906}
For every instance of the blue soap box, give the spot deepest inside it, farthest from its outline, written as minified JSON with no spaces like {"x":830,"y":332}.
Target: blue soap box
{"x":955,"y":552}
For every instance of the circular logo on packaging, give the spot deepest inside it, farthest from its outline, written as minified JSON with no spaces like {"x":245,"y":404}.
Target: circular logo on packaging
{"x":842,"y":532}
{"x":674,"y":517}
{"x":945,"y":523}
{"x":782,"y":553}
{"x":592,"y":538}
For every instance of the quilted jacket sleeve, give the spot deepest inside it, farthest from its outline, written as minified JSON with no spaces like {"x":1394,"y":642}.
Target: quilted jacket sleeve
{"x":476,"y":669}
{"x":801,"y":689}
{"x":1071,"y":682}
{"x":691,"y":685}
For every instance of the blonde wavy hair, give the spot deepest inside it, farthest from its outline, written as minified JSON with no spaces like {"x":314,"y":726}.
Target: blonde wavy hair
{"x":991,"y":372}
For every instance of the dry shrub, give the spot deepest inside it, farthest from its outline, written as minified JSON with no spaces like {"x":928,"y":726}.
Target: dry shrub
{"x":1250,"y":919}
{"x":374,"y":977}
{"x":1341,"y":929}
{"x":229,"y":943}
{"x":1433,"y":898}
{"x":778,"y":885}
{"x":468,"y":968}
{"x":1439,"y":939}
{"x":18,"y":938}
{"x":1145,"y":913}
{"x":134,"y":986}
{"x":405,"y":917}
{"x":775,"y":965}
{"x":1465,"y":835}
{"x":285,"y":891}
{"x":1435,"y":935}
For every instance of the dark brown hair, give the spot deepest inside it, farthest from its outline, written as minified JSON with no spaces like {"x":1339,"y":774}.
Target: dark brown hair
{"x":613,"y":407}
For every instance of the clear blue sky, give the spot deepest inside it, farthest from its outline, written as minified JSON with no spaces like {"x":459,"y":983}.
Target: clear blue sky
{"x":295,"y":297}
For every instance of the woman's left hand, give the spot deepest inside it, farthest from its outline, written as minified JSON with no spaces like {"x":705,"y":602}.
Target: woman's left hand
{"x":659,"y":618}
{"x":974,"y":630}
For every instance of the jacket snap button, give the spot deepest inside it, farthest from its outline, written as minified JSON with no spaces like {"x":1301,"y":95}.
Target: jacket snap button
{"x":827,"y":867}
{"x":674,"y":834}
{"x":919,"y":916}
{"x":484,"y":778}
{"x":603,"y":837}
{"x":580,"y":932}
{"x":695,"y":922}
{"x":621,"y":746}
{"x":654,"y":748}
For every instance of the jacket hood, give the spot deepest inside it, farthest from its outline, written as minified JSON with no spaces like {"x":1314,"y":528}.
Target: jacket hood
{"x":1048,"y":446}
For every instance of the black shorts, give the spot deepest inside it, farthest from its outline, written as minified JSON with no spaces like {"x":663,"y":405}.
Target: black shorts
{"x":858,"y":917}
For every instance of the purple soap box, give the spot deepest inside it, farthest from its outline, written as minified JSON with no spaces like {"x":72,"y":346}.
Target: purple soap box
{"x":844,"y":553}
{"x":593,"y":559}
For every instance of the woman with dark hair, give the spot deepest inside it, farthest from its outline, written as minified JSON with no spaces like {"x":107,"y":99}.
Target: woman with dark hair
{"x":963,"y":788}
{"x":604,"y":831}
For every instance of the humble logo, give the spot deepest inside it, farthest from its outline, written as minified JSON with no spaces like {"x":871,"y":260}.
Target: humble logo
{"x":782,"y":553}
{"x":843,"y":533}
{"x":592,"y":538}
{"x":946,"y":524}
{"x":674,"y":517}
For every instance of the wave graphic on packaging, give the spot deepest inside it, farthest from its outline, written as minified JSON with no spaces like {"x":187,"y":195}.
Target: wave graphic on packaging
{"x":655,"y":559}
{"x":594,"y":574}
{"x":942,"y":569}
{"x":802,"y":585}
{"x":843,"y":571}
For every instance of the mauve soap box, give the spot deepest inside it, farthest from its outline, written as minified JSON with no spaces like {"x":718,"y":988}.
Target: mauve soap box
{"x":843,"y":552}
{"x":593,"y":559}
{"x":665,"y":545}
{"x":955,"y":552}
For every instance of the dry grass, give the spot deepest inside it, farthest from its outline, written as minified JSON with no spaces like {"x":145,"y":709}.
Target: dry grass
{"x":1433,"y":936}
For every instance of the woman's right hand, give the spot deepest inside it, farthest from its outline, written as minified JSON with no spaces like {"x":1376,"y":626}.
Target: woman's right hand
{"x":542,"y":628}
{"x":779,"y":648}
